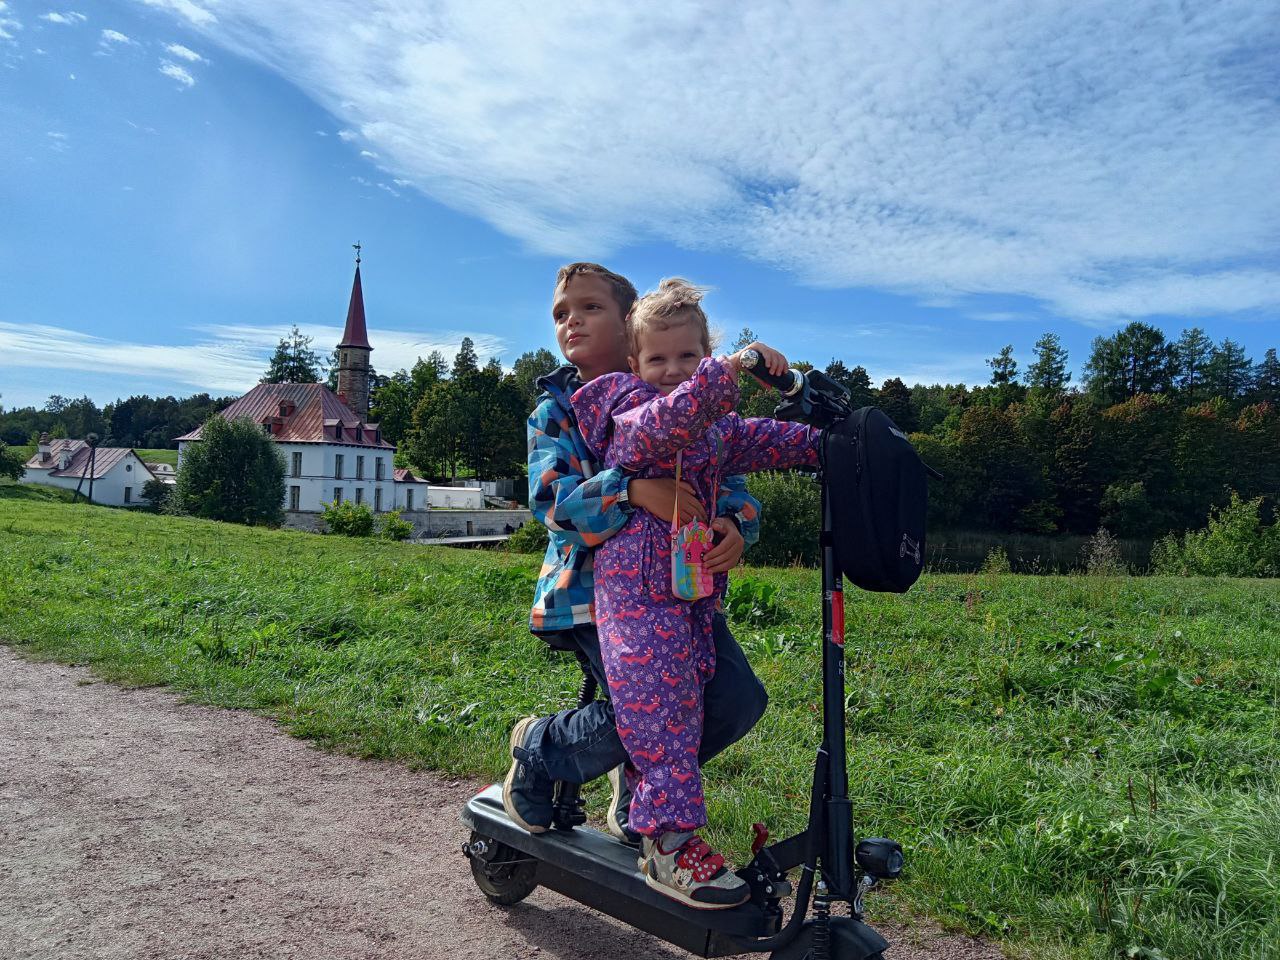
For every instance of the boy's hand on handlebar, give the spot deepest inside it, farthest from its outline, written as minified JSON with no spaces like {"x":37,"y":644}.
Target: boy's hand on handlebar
{"x":772,"y":359}
{"x":724,"y":556}
{"x":658,"y":496}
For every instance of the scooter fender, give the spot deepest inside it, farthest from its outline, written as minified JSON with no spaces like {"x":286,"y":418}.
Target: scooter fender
{"x":850,"y":940}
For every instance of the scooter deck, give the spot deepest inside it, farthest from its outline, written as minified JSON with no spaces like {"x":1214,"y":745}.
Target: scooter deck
{"x":599,"y":872}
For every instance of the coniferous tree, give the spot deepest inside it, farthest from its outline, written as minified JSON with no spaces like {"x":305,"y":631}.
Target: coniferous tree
{"x":1136,"y":360}
{"x":1004,"y":376}
{"x":466,"y":360}
{"x":294,"y":361}
{"x":1229,"y":373}
{"x":1048,"y":373}
{"x":1266,"y":380}
{"x":391,"y":406}
{"x":1190,"y":357}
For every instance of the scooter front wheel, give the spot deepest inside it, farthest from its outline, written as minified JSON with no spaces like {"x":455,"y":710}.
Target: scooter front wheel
{"x":504,"y":875}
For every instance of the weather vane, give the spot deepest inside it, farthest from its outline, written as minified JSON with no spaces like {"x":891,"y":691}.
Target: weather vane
{"x":357,"y":249}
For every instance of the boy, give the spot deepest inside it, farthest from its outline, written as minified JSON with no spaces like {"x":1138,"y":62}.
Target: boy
{"x":581,"y":508}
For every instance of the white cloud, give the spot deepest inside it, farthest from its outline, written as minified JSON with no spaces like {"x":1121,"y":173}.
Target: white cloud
{"x":368,"y":154}
{"x":191,"y":12}
{"x":1109,"y":160}
{"x":8,"y":25}
{"x":115,"y":36}
{"x":175,"y":72}
{"x":184,"y":53}
{"x":346,"y":135}
{"x":70,"y":19}
{"x":227,"y":358}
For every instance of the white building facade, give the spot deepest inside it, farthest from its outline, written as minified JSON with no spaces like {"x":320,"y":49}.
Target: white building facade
{"x":117,"y":473}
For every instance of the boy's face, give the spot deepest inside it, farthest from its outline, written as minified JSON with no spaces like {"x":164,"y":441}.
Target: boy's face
{"x":668,"y":357}
{"x":589,"y":326}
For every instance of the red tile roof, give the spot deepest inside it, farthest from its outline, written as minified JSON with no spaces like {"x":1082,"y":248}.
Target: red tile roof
{"x":103,"y":462}
{"x":315,"y":416}
{"x":355,"y":334}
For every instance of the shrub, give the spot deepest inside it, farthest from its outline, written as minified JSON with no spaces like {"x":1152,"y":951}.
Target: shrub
{"x":1235,"y":544}
{"x":157,"y":494}
{"x":392,"y":527}
{"x":532,"y":537}
{"x":997,"y":561}
{"x":233,"y":473}
{"x":348,"y":519}
{"x":1101,"y":555}
{"x":790,"y":505}
{"x":10,"y":463}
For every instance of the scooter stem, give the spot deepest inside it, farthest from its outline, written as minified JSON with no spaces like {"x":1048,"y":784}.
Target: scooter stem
{"x":837,"y":856}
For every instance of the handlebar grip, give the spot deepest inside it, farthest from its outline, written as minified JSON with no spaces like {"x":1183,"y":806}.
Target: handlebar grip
{"x":789,"y":384}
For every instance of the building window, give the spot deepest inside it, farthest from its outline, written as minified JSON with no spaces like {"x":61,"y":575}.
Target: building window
{"x":377,"y":499}
{"x":295,"y":496}
{"x":377,"y":468}
{"x":359,"y":465}
{"x":337,"y":467}
{"x":297,"y":466}
{"x":408,"y":499}
{"x":359,"y":434}
{"x":359,"y":494}
{"x":128,"y":494}
{"x":337,"y":496}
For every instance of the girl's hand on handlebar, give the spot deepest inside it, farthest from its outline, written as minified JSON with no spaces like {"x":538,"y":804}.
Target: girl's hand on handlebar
{"x":658,"y":496}
{"x":724,"y":556}
{"x":773,"y":360}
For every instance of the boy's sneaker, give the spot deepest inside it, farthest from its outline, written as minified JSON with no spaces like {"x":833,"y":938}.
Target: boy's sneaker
{"x":692,"y":874}
{"x":620,"y":808}
{"x":527,"y":791}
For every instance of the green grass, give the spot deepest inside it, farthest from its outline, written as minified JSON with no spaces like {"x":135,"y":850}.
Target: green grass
{"x":158,"y":456}
{"x":1078,"y":767}
{"x":34,"y":493}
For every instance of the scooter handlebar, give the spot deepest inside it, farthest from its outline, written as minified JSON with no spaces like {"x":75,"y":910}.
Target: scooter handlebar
{"x":788,"y":384}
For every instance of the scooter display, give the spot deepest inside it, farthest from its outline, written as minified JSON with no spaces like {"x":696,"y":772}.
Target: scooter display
{"x":599,"y":871}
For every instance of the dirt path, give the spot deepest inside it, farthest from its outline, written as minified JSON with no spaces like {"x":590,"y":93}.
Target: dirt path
{"x":135,"y":826}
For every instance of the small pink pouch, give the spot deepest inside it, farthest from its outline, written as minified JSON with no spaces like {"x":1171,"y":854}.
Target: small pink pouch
{"x":690,"y":579}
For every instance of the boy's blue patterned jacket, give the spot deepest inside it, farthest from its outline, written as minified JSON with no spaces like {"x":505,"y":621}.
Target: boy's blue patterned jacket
{"x":580,"y":507}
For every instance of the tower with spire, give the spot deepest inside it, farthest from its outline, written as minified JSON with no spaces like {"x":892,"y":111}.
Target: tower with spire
{"x":354,"y":350}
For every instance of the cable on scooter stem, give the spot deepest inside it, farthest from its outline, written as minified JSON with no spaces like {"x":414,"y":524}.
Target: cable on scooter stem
{"x":788,"y":384}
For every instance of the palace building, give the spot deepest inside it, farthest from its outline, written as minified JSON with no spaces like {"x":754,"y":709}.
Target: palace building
{"x":331,"y":451}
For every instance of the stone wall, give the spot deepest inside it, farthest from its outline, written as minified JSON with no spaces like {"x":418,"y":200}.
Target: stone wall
{"x":472,"y":523}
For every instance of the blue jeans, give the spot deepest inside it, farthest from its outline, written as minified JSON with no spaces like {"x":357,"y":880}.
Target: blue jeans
{"x":581,"y":744}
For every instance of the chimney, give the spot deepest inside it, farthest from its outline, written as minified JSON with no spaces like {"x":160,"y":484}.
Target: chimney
{"x":64,"y":458}
{"x":45,"y":448}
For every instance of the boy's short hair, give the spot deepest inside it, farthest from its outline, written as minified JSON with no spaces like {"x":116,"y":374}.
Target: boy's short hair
{"x":624,"y":292}
{"x":676,"y":303}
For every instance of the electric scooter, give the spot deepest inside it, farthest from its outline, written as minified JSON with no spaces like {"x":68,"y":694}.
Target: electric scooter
{"x":599,"y":871}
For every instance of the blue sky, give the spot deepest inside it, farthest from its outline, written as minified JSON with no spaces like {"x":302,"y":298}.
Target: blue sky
{"x":905,"y":186}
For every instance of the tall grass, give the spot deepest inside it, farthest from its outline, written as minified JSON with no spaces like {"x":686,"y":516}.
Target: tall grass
{"x":1078,"y":766}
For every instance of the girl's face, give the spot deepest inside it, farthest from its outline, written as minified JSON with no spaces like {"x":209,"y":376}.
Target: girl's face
{"x":669,"y":357}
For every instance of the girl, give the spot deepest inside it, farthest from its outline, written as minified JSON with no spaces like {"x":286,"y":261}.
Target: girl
{"x":675,"y":411}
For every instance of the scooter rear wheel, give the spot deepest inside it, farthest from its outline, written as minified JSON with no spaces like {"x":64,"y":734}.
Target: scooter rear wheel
{"x":504,"y":875}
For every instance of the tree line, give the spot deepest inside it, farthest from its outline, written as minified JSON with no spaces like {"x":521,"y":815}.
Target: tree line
{"x":1159,"y":433}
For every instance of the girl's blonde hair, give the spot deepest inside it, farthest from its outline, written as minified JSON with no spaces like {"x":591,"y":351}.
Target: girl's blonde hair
{"x":676,"y":303}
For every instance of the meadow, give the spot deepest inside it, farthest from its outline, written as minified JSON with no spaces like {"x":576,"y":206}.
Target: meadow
{"x":1079,"y":767}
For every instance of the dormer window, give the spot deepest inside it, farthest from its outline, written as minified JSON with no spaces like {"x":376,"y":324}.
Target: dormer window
{"x":286,"y":408}
{"x":359,"y":433}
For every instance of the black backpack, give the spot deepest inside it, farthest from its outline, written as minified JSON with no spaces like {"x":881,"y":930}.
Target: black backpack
{"x":879,"y":498}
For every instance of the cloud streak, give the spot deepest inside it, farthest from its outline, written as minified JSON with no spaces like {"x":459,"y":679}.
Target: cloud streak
{"x":67,"y":19}
{"x":1109,"y":160}
{"x":175,"y":72}
{"x":225,"y":358}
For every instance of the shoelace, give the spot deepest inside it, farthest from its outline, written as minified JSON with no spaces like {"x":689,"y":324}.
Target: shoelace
{"x":696,"y":856}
